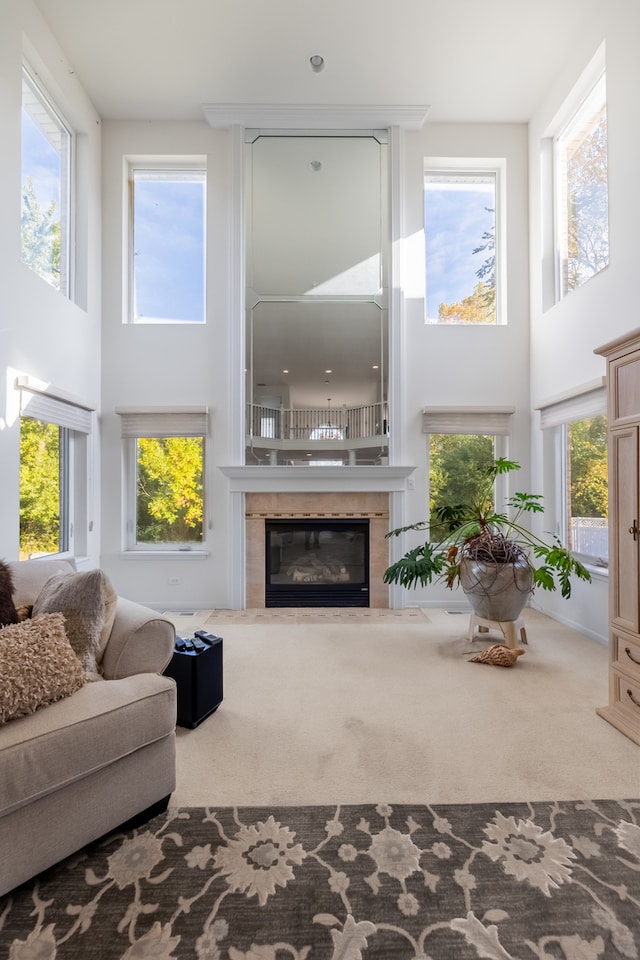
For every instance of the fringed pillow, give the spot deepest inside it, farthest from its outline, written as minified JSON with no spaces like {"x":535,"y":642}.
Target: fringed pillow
{"x":86,"y":599}
{"x":37,"y":666}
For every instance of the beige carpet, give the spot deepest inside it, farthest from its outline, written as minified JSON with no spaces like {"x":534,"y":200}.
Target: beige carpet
{"x":321,"y":713}
{"x":344,"y":615}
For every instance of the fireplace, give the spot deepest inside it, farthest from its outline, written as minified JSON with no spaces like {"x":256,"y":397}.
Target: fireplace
{"x":322,"y":562}
{"x":261,"y":507}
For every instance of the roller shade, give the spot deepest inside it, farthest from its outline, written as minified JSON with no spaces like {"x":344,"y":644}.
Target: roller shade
{"x":163,"y":421}
{"x":484,"y":421}
{"x":49,"y":408}
{"x":587,"y":401}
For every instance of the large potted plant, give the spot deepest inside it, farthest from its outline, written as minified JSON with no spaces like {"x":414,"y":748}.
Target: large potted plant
{"x":496,"y":560}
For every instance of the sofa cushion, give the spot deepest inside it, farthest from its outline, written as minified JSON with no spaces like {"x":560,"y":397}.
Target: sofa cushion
{"x":76,"y":737}
{"x":37,"y":666}
{"x":29,"y":576}
{"x":83,"y":598}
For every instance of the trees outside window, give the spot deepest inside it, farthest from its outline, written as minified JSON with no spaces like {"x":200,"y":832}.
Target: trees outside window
{"x":461,"y":237}
{"x":587,"y":488}
{"x":46,"y":186}
{"x":582,"y":188}
{"x":44,"y":488}
{"x":169,"y":490}
{"x":458,"y":468}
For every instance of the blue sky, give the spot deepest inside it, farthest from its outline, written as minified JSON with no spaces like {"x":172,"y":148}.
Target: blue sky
{"x":169,"y":249}
{"x":41,"y":162}
{"x":455,"y":220}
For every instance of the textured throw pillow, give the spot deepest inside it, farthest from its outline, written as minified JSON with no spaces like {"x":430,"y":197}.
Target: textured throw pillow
{"x":82,"y":598}
{"x":37,"y":666}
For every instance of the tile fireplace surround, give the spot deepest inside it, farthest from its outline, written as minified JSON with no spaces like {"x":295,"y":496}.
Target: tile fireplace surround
{"x":277,"y":492}
{"x":289,"y":506}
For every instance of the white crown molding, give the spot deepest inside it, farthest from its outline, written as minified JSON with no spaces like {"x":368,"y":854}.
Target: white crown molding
{"x":315,"y":116}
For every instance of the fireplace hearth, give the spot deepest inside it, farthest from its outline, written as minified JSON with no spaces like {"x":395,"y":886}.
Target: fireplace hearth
{"x":322,"y":562}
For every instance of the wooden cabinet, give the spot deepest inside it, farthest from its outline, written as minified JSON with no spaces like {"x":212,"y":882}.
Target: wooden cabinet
{"x":623,"y":406}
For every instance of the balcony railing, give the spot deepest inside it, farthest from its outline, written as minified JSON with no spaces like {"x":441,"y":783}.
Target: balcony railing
{"x":339,"y":425}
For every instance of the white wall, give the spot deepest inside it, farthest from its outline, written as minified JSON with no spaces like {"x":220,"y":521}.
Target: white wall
{"x":564,"y":335}
{"x":42,"y":333}
{"x":463,"y":365}
{"x":147,"y":364}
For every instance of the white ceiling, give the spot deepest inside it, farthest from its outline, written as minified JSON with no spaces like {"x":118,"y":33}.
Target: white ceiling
{"x":489,"y":61}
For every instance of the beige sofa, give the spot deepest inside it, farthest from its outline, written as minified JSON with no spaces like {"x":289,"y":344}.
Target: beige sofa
{"x":75,"y":769}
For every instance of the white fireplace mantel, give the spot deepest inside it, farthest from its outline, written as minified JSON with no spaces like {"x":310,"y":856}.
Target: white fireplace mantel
{"x":281,"y":479}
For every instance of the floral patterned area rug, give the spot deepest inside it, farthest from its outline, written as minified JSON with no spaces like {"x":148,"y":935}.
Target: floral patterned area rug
{"x":380,"y":882}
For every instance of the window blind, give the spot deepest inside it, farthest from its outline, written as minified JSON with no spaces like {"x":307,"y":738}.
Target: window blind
{"x":163,"y":421}
{"x":484,"y":421}
{"x":590,"y":400}
{"x":44,"y":405}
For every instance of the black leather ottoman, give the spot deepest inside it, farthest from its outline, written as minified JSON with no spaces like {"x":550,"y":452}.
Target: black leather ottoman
{"x":198,"y":676}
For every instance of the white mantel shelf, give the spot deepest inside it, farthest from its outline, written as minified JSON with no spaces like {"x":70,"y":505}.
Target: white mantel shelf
{"x":279,"y":479}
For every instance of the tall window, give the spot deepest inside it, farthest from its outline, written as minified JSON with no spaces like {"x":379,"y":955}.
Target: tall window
{"x":46,"y":186}
{"x":164,"y":467}
{"x":582,"y":192}
{"x":169,"y":499}
{"x":54,"y":470}
{"x":458,"y":468}
{"x":587,"y":488}
{"x":462,"y":239}
{"x":462,"y":446}
{"x":575,"y":440}
{"x":167,"y":271}
{"x":44,"y":488}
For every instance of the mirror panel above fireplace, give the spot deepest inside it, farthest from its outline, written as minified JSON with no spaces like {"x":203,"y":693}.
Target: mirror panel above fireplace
{"x":317,"y":328}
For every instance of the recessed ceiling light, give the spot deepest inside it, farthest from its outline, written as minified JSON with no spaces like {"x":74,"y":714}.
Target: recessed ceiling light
{"x":285,"y":371}
{"x":375,"y":366}
{"x":328,"y":371}
{"x":316,"y":62}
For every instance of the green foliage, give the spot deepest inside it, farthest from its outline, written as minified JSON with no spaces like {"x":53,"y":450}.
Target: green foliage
{"x":458,"y":470}
{"x":40,"y":231}
{"x":170,"y":490}
{"x":40,"y":489}
{"x":475,"y":528}
{"x":589,"y":483}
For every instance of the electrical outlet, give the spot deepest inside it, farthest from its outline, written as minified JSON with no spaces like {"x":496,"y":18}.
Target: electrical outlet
{"x":173,"y":581}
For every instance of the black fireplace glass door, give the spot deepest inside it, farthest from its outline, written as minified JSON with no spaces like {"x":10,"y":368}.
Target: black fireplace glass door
{"x":317,"y":562}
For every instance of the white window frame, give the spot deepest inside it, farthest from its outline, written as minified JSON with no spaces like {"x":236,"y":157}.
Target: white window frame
{"x":588,"y":400}
{"x":56,"y":116}
{"x":42,"y":402}
{"x":586,"y":90}
{"x":141,"y":422}
{"x":462,"y":166}
{"x":158,"y":166}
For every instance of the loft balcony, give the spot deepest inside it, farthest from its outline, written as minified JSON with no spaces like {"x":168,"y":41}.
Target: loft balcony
{"x":324,"y":435}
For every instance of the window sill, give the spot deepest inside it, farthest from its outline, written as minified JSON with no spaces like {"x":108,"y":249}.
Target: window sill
{"x":165,"y":554}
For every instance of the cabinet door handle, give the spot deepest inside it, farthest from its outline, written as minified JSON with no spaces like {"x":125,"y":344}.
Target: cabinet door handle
{"x":627,"y":650}
{"x":634,"y":530}
{"x":632,"y":698}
